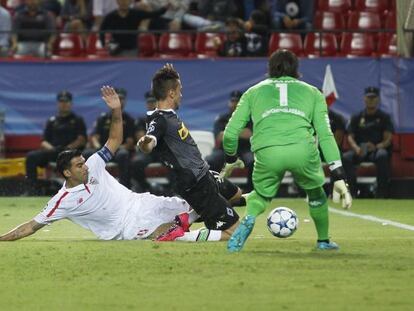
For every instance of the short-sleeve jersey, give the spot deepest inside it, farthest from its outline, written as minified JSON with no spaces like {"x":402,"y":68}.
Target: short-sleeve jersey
{"x":61,"y":131}
{"x":101,"y":205}
{"x":370,"y":128}
{"x":283,"y":111}
{"x":176,"y":148}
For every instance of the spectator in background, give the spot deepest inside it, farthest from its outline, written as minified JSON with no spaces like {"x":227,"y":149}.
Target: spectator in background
{"x":34,"y":31}
{"x":63,"y":131}
{"x":125,"y":18}
{"x":338,"y":127}
{"x":245,"y":8}
{"x":172,"y":18}
{"x":52,"y":6}
{"x":126,"y":149}
{"x":256,"y":34}
{"x":370,"y":138}
{"x":217,"y":10}
{"x":77,"y":15}
{"x":291,"y":14}
{"x":216,"y":159}
{"x":142,"y":160}
{"x":235,"y":44}
{"x":5,"y":25}
{"x":101,"y":8}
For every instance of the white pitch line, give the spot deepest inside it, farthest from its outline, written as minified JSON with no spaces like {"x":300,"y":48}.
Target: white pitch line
{"x":372,"y":218}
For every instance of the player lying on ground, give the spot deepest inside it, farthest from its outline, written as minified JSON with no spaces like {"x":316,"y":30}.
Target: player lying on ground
{"x":93,"y":199}
{"x":286,"y":114}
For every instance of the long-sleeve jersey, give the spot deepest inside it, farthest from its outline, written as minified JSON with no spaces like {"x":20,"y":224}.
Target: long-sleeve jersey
{"x":283,"y":111}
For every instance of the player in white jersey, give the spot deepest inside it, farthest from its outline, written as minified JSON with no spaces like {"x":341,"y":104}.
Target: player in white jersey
{"x":93,"y":199}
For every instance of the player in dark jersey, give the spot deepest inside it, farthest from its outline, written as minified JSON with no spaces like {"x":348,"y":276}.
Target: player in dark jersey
{"x":168,"y":136}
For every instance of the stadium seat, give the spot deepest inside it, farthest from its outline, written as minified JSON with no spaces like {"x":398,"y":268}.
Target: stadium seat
{"x":328,"y":20}
{"x":205,"y":142}
{"x":69,"y":45}
{"x":289,"y":41}
{"x":175,"y":45}
{"x":317,"y":45}
{"x":390,"y":20}
{"x":376,"y":6}
{"x":147,"y":45}
{"x":387,"y":44}
{"x":339,"y":6}
{"x":204,"y":46}
{"x":364,"y":21}
{"x":94,"y":48}
{"x":357,"y":44}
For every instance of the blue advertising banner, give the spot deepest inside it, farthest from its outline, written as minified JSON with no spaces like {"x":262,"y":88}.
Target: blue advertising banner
{"x":28,"y":90}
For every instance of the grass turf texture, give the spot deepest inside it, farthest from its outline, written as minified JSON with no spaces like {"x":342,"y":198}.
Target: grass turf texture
{"x":62,"y":267}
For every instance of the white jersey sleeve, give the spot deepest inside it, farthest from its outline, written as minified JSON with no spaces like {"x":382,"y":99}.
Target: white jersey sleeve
{"x":54,"y":210}
{"x":98,"y":160}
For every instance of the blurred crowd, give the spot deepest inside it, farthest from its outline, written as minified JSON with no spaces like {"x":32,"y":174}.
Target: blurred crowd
{"x":246,"y":22}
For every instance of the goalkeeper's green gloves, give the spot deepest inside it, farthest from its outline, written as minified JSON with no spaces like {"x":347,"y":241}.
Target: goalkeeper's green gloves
{"x":340,"y":191}
{"x":232,"y":162}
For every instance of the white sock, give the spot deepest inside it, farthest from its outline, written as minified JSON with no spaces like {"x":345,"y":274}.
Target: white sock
{"x":192,"y":216}
{"x":201,"y":235}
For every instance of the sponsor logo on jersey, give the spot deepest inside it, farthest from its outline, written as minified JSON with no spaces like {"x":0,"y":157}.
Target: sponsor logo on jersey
{"x":183,"y":131}
{"x":151,"y":127}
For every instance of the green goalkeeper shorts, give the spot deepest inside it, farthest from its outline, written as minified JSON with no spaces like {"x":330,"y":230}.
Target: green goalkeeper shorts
{"x":301,"y":159}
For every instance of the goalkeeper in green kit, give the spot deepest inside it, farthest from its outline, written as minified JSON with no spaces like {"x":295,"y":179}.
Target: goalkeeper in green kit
{"x":286,"y":115}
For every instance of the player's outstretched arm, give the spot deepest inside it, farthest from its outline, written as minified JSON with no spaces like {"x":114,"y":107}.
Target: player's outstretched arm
{"x":22,"y":231}
{"x":115,"y":137}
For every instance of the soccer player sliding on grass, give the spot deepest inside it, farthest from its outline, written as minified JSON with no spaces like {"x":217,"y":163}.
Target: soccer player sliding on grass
{"x":286,"y":114}
{"x":93,"y":199}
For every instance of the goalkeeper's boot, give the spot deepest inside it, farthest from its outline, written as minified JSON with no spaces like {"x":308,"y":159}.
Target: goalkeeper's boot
{"x":182,"y":221}
{"x":239,"y":237}
{"x":327,"y":245}
{"x":174,"y":232}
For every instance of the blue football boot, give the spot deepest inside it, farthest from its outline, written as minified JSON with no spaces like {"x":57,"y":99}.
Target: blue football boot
{"x":239,"y":237}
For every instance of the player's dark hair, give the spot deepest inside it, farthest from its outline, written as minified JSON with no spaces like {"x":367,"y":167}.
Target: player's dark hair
{"x":283,"y":63}
{"x":164,"y":80}
{"x":64,"y":158}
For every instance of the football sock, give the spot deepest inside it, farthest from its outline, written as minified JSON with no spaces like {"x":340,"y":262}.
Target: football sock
{"x":192,"y":216}
{"x":256,"y":204}
{"x":318,"y":208}
{"x":201,"y":235}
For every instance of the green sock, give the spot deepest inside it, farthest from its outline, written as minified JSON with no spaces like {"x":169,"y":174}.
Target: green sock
{"x":256,"y":204}
{"x":318,"y":208}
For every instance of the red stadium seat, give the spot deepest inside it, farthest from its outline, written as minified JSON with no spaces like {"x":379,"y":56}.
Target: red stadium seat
{"x":69,"y":45}
{"x":289,"y":41}
{"x":339,"y":6}
{"x":376,"y":6}
{"x":357,"y":44}
{"x":317,"y":45}
{"x":387,"y":44}
{"x":94,"y":48}
{"x":328,"y":21}
{"x":364,"y":21}
{"x":147,"y":45}
{"x":175,"y":45}
{"x":204,"y":44}
{"x":390,"y":20}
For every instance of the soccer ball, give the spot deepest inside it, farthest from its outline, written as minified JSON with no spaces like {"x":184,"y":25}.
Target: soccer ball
{"x":282,"y":222}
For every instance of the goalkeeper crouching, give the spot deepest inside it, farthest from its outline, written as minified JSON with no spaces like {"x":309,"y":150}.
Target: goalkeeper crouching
{"x":286,"y":114}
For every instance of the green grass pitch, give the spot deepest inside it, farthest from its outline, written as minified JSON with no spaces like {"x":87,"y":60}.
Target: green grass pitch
{"x":63,"y":267}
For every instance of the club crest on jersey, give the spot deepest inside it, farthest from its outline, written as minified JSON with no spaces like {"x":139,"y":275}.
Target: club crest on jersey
{"x":183,"y":131}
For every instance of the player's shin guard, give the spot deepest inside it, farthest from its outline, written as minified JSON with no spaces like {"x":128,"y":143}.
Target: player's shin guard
{"x":318,"y":207}
{"x":256,"y":204}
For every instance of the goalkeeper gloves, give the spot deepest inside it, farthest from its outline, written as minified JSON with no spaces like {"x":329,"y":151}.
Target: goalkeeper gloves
{"x":340,"y":191}
{"x":232,"y":162}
